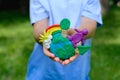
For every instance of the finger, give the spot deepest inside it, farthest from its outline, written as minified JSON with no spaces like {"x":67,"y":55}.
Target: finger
{"x":61,"y":61}
{"x":71,"y":31}
{"x":70,"y":59}
{"x":48,"y":53}
{"x":74,"y":57}
{"x":66,"y":62}
{"x":56,"y":59}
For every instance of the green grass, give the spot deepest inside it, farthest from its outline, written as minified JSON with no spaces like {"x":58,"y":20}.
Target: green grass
{"x":16,"y":44}
{"x":105,"y":55}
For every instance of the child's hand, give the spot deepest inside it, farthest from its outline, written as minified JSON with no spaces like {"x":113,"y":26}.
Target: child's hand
{"x":71,"y":31}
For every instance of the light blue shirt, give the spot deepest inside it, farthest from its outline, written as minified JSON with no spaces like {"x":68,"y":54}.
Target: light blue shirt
{"x":40,"y":67}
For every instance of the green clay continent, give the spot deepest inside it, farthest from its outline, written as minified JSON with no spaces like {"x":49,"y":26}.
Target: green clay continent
{"x":66,"y":52}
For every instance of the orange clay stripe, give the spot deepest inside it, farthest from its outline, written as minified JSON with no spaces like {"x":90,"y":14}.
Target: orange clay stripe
{"x":53,"y":26}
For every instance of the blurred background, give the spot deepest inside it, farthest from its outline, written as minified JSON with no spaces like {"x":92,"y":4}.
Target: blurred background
{"x":16,"y":41}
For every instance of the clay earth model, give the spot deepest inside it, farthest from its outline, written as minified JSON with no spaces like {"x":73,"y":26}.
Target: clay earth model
{"x":64,"y":46}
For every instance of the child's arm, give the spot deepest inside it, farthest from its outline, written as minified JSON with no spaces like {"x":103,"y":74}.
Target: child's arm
{"x":90,"y":25}
{"x":39,"y":28}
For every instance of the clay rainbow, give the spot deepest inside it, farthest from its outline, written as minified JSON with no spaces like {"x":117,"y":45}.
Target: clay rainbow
{"x":49,"y":32}
{"x":53,"y":28}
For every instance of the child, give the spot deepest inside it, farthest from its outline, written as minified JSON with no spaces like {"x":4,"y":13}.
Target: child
{"x":43,"y":65}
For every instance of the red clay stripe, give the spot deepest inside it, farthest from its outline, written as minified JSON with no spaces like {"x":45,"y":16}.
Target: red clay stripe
{"x":55,"y":25}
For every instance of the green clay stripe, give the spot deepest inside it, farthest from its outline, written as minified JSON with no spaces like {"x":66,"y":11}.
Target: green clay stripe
{"x":55,"y":32}
{"x":59,"y":39}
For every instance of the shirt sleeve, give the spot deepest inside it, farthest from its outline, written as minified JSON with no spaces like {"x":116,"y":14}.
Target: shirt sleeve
{"x":92,"y":10}
{"x":37,"y":11}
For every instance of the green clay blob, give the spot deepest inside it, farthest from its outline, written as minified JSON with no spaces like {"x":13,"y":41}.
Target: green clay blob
{"x":69,"y":49}
{"x":83,"y":49}
{"x":61,"y":53}
{"x":66,"y":52}
{"x":65,"y":24}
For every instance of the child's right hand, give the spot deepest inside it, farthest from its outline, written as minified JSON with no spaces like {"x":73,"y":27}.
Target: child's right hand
{"x":51,"y":55}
